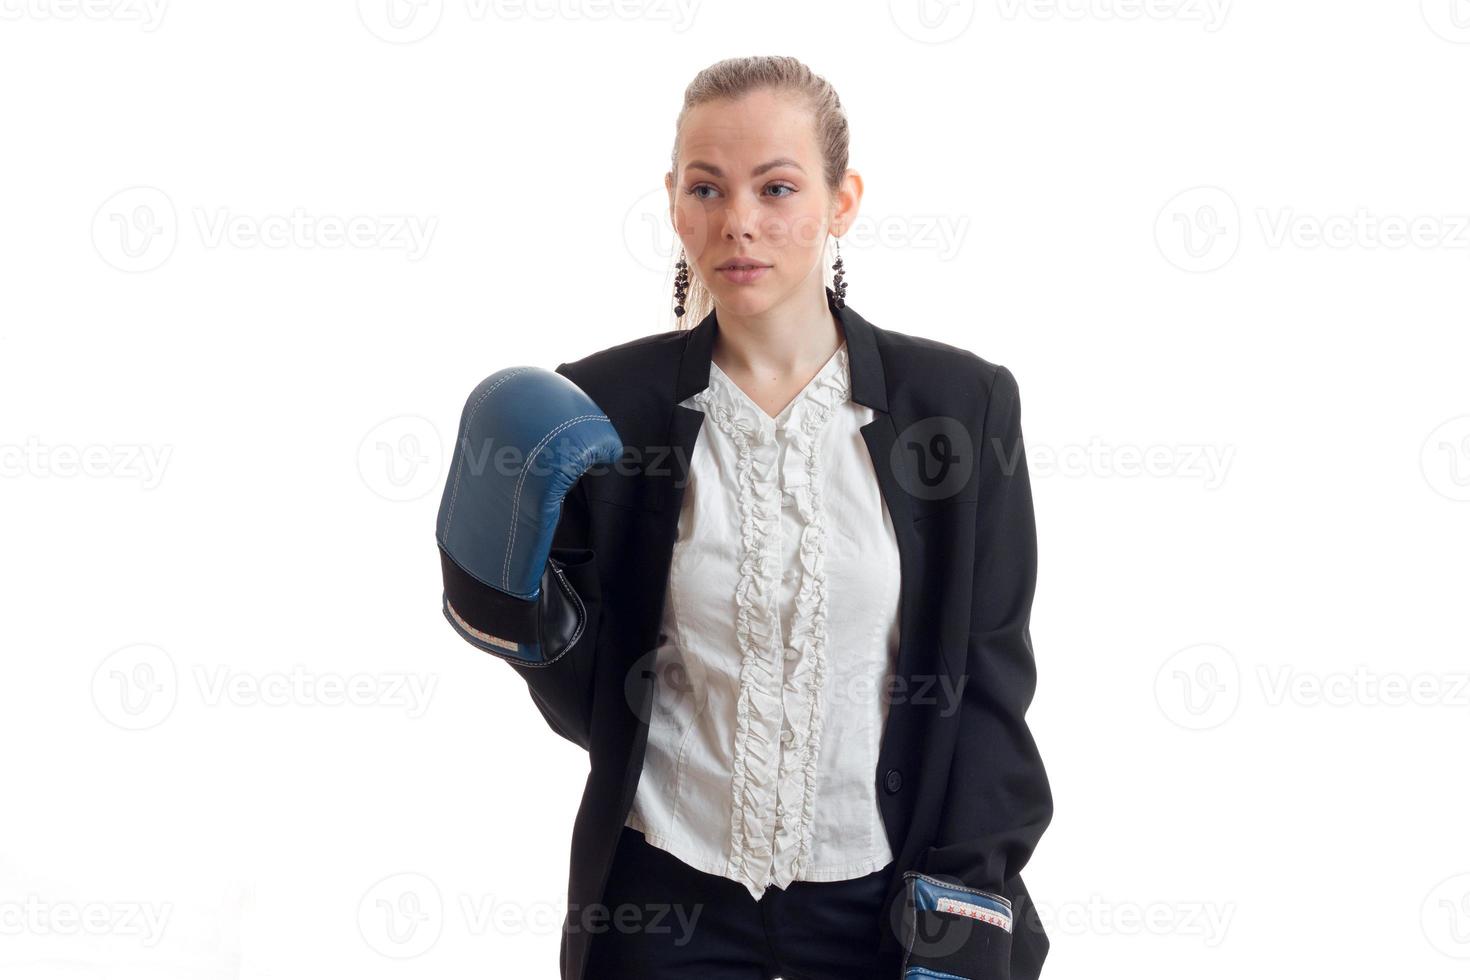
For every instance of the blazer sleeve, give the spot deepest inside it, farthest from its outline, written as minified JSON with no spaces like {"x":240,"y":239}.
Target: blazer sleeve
{"x":966,"y":899}
{"x":562,"y":688}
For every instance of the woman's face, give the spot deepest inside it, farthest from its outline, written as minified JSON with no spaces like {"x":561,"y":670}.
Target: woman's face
{"x":750,"y":190}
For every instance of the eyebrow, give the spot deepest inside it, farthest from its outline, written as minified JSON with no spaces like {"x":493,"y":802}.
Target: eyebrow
{"x":768,"y":165}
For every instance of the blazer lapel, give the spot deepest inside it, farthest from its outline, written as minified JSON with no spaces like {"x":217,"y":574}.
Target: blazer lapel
{"x":894,"y":470}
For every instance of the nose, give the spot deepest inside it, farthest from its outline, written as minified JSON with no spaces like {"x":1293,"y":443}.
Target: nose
{"x":741,"y":220}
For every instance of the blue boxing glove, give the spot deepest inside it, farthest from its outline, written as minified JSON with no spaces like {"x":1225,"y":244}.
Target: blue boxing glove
{"x":525,"y":437}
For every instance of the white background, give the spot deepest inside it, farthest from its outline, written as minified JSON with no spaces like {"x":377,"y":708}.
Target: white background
{"x":1222,"y":246}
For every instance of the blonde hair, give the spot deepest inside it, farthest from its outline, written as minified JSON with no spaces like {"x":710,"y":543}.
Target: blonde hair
{"x":736,"y":77}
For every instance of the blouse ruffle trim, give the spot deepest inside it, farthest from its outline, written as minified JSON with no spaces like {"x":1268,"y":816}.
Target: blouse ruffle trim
{"x":759,"y":771}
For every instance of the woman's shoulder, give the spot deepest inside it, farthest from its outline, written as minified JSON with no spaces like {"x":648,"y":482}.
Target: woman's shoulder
{"x":645,"y":351}
{"x":618,"y":362}
{"x":631,"y":379}
{"x":922,"y":360}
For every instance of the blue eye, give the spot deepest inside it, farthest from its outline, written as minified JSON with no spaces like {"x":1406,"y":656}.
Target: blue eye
{"x":694,"y":191}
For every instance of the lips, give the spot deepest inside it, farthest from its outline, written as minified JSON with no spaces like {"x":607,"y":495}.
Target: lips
{"x":749,"y":275}
{"x":742,"y":264}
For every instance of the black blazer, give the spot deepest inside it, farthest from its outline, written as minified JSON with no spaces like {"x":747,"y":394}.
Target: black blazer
{"x":961,"y":787}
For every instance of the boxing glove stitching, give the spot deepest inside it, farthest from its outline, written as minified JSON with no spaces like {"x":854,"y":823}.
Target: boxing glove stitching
{"x":957,"y":887}
{"x":520,"y":485}
{"x":470,"y":421}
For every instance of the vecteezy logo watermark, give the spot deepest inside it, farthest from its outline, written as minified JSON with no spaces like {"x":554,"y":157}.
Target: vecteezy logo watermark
{"x":298,"y":687}
{"x":34,"y":916}
{"x":401,"y":916}
{"x":649,"y":236}
{"x":136,"y":687}
{"x":147,"y":14}
{"x":408,"y":233}
{"x":1450,"y":19}
{"x":405,"y":915}
{"x":1201,"y":687}
{"x":126,"y":461}
{"x":1210,"y":14}
{"x":1198,"y":687}
{"x":1198,"y":230}
{"x":1097,"y":916}
{"x":137,"y":230}
{"x":478,"y":457}
{"x":400,"y":21}
{"x":932,"y":21}
{"x":680,"y":690}
{"x":401,"y":458}
{"x":1445,"y":458}
{"x":1284,"y":684}
{"x":1207,"y":463}
{"x":485,"y":914}
{"x":1445,"y":917}
{"x":942,"y":234}
{"x":653,"y":918}
{"x":934,"y":457}
{"x":1362,"y":229}
{"x":407,"y":21}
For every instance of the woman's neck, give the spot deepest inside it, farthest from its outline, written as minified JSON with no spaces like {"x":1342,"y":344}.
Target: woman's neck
{"x":789,"y":342}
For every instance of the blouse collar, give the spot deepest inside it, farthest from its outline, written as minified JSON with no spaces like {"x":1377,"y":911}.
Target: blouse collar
{"x":828,"y":388}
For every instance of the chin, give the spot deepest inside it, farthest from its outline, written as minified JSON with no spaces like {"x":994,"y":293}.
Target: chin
{"x":746,"y":300}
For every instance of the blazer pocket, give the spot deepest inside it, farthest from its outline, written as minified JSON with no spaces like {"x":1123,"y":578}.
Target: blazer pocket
{"x":954,"y":508}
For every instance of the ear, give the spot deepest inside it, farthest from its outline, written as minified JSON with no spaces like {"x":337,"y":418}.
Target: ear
{"x":845,"y":202}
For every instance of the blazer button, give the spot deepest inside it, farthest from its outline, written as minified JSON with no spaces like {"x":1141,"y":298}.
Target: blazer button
{"x":892,"y":780}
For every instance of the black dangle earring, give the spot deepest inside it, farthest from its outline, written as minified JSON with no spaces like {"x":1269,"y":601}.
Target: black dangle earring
{"x":839,"y":285}
{"x":681,"y":285}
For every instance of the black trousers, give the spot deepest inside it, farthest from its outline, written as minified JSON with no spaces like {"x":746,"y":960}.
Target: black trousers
{"x":664,"y":920}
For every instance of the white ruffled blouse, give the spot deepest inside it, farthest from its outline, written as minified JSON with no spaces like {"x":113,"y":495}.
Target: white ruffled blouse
{"x":779,"y":634}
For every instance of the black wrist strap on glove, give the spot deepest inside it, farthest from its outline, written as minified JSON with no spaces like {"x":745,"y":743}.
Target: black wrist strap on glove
{"x":535,"y":632}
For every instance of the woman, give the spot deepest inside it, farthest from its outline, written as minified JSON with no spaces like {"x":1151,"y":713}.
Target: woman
{"x":790,"y":624}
